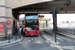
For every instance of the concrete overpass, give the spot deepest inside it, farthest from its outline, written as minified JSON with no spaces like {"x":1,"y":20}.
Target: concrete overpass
{"x":11,"y":9}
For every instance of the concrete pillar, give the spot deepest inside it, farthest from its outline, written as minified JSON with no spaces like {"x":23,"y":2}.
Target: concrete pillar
{"x":8,"y":14}
{"x":2,"y":17}
{"x":46,"y":24}
{"x":5,"y":14}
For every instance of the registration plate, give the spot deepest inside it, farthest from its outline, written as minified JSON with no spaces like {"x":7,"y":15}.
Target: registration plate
{"x":32,"y":35}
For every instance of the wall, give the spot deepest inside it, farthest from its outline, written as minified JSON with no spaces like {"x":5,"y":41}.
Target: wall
{"x":15,"y":21}
{"x":5,"y":14}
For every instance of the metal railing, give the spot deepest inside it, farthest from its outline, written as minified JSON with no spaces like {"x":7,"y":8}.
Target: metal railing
{"x":67,"y":30}
{"x":9,"y":38}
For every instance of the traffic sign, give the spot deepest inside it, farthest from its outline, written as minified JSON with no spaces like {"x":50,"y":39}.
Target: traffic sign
{"x":8,"y":26}
{"x":1,"y":29}
{"x":1,"y":25}
{"x":8,"y":22}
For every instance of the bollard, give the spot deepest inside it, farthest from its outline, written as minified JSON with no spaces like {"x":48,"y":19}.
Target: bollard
{"x":16,"y":37}
{"x":9,"y":38}
{"x":59,"y":29}
{"x":73,"y":33}
{"x":0,"y":39}
{"x":20,"y":35}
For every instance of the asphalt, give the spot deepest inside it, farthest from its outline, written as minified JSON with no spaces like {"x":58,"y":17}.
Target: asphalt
{"x":37,"y":44}
{"x":65,"y":42}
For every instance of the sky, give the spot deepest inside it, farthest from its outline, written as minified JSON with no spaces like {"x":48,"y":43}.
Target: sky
{"x":65,"y":17}
{"x":22,"y":16}
{"x":60,"y":17}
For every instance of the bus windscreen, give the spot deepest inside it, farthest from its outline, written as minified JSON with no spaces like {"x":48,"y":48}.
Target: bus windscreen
{"x":32,"y":19}
{"x":31,"y":22}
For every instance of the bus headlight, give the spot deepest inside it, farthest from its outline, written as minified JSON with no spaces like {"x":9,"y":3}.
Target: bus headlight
{"x":26,"y":32}
{"x":37,"y":32}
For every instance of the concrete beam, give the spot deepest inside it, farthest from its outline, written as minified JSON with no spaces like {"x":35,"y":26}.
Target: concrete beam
{"x":19,"y":3}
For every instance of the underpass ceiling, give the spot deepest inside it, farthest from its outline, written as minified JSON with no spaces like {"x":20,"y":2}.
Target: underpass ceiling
{"x":45,"y":7}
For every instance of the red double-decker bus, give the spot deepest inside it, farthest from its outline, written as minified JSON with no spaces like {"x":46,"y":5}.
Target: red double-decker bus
{"x":31,"y":24}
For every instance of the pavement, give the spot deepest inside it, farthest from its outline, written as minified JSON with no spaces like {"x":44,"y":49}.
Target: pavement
{"x":12,"y":40}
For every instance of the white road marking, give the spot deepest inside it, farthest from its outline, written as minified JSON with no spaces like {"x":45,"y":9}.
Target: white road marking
{"x":59,"y":39}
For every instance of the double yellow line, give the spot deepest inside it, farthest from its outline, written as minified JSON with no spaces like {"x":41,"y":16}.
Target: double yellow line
{"x":59,"y":48}
{"x":56,"y":44}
